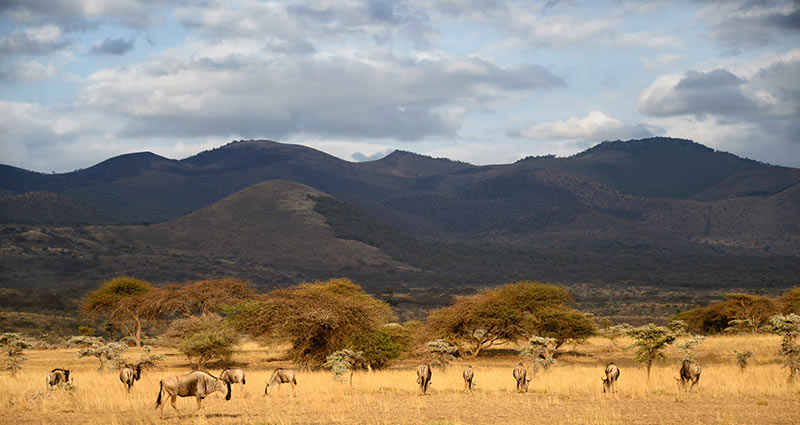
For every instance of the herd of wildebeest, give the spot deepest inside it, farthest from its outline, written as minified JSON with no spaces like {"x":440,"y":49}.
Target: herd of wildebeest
{"x":200,"y":384}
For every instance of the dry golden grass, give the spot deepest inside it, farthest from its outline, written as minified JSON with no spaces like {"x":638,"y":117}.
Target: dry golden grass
{"x":568,"y":393}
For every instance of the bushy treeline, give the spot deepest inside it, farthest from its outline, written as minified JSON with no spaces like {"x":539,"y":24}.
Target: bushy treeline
{"x":740,"y":312}
{"x":317,"y":319}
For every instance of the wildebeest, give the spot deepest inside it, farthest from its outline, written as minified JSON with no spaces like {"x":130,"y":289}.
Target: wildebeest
{"x":57,"y":376}
{"x":198,"y":384}
{"x":129,"y":374}
{"x":233,"y":376}
{"x":281,"y":376}
{"x":468,"y":374}
{"x":610,"y":381}
{"x":521,"y":375}
{"x":424,"y":378}
{"x":690,"y":372}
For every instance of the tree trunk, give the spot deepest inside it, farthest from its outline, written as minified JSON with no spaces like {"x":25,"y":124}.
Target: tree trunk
{"x":648,"y":370}
{"x":351,"y":377}
{"x":137,"y":338}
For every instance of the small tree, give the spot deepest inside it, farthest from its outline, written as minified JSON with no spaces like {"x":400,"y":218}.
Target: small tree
{"x":789,"y":327}
{"x":650,"y":341}
{"x":382,"y":345}
{"x":687,"y":346}
{"x":14,"y":346}
{"x":742,"y":357}
{"x":678,"y":327}
{"x":441,"y":353}
{"x":614,"y":332}
{"x":203,"y":338}
{"x":540,"y":351}
{"x":103,"y":351}
{"x":343,"y":361}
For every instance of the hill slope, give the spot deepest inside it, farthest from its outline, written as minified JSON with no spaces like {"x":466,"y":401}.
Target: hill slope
{"x":661,"y":194}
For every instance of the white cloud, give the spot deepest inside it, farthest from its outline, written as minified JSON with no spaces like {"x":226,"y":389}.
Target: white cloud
{"x":215,"y":90}
{"x":748,"y":108}
{"x":32,"y":70}
{"x":594,"y":126}
{"x":33,"y":40}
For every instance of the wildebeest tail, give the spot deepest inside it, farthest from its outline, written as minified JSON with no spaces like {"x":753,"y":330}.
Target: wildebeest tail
{"x":160,"y":390}
{"x":243,"y":383}
{"x":294,"y":380}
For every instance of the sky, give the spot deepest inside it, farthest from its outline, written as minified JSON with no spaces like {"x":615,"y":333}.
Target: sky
{"x":481,"y":81}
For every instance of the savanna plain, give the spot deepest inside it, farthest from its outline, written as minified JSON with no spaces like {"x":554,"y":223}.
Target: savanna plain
{"x":570,"y":392}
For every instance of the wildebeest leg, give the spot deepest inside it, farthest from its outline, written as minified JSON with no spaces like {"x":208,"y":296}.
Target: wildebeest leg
{"x":199,"y":405}
{"x":173,"y":400}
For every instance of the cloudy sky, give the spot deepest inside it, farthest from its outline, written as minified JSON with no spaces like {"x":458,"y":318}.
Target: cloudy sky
{"x":483,"y":81}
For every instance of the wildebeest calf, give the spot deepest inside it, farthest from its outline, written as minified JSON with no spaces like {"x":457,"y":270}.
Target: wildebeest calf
{"x":57,"y":376}
{"x":424,"y":378}
{"x":468,"y":374}
{"x":521,"y":375}
{"x":610,"y":381}
{"x":197,"y":384}
{"x":690,"y":372}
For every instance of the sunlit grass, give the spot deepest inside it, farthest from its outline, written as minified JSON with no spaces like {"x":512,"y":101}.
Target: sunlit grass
{"x":569,"y":392}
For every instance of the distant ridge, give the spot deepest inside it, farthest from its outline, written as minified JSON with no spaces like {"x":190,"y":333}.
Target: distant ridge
{"x":663,"y":193}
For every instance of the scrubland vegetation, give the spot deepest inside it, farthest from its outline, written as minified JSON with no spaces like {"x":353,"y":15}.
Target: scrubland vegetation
{"x":356,"y":364}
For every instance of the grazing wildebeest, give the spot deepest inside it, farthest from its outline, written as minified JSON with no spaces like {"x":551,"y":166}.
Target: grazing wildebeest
{"x":690,"y":372}
{"x":424,"y":378}
{"x":129,"y":374}
{"x":197,"y":384}
{"x":469,"y":374}
{"x":57,"y":376}
{"x":233,"y":376}
{"x":281,"y":376}
{"x":521,"y":375}
{"x":610,"y":381}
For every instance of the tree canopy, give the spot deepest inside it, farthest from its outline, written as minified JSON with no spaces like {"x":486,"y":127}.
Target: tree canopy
{"x":197,"y":297}
{"x":738,"y":311}
{"x":508,"y":313}
{"x":203,"y":338}
{"x":119,"y":300}
{"x":318,"y":318}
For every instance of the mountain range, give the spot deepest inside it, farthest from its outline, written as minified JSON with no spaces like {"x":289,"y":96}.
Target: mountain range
{"x":638,"y":228}
{"x":660,"y":194}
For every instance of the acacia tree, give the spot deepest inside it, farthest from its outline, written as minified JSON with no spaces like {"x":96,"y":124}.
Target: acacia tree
{"x":199,"y":297}
{"x":688,"y":345}
{"x":93,"y":346}
{"x":742,"y":358}
{"x":540,"y":351}
{"x":120,"y":300}
{"x":203,"y":338}
{"x":650,"y":342}
{"x":317,"y":318}
{"x":343,"y":361}
{"x":791,"y":301}
{"x":738,"y":312}
{"x":788,"y":326}
{"x":14,"y":345}
{"x":441,"y":353}
{"x":508,"y":313}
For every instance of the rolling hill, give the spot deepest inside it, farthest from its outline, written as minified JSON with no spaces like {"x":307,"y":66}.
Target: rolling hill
{"x":660,"y":194}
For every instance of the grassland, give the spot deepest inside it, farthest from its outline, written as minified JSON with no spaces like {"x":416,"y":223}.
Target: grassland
{"x":568,"y":393}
